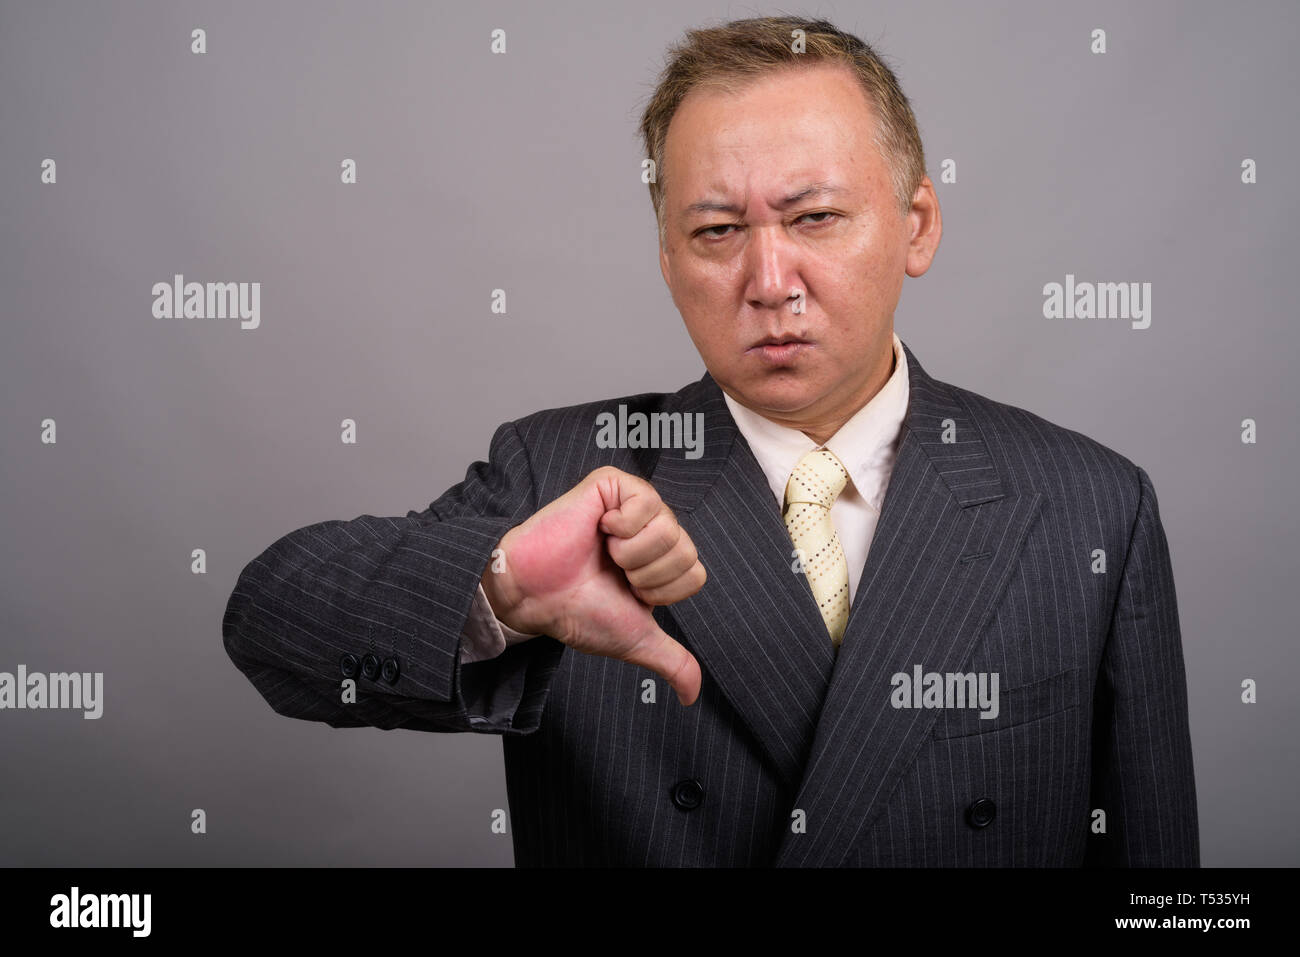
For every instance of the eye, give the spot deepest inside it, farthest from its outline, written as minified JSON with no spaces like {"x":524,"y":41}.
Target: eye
{"x":820,"y":221}
{"x":708,"y":231}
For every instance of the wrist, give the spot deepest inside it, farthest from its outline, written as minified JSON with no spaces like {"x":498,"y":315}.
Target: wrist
{"x":503,"y":594}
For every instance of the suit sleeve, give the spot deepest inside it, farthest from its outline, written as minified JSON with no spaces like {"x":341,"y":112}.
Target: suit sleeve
{"x":1142,"y":761}
{"x":485,"y":635}
{"x":386,"y":601}
{"x":482,"y":637}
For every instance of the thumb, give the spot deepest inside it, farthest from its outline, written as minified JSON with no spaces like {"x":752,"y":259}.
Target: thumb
{"x":669,"y":659}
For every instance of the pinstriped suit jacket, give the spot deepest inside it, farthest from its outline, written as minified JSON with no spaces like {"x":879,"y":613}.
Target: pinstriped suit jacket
{"x":985,"y":559}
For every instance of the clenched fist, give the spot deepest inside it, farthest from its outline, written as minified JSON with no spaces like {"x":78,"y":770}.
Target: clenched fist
{"x":587,"y":568}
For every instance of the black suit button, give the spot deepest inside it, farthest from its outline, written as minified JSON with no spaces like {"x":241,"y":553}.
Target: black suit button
{"x":390,"y":670}
{"x":981,"y":813}
{"x":370,"y":667}
{"x":688,"y":794}
{"x":348,"y":664}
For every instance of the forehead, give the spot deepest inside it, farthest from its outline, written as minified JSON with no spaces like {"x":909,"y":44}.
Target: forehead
{"x":783,"y":129}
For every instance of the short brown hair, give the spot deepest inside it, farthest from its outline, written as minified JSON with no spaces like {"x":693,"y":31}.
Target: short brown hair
{"x":728,"y":56}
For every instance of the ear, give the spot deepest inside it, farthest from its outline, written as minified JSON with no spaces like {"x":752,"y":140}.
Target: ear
{"x":925,"y":229}
{"x":663,"y":265}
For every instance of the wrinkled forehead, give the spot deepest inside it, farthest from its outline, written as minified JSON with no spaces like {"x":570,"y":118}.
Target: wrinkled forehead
{"x":739,"y":169}
{"x":774,"y":142}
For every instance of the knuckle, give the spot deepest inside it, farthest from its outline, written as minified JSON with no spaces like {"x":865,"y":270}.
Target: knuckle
{"x":683,"y":561}
{"x":651,"y":596}
{"x":667,"y":531}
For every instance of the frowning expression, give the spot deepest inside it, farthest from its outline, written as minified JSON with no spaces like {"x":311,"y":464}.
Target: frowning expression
{"x":784,"y":247}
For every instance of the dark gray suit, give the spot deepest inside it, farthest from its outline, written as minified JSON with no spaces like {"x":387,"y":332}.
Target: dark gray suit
{"x":983,"y":561}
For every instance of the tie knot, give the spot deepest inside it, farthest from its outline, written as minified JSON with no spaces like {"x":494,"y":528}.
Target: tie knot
{"x":817,"y":479}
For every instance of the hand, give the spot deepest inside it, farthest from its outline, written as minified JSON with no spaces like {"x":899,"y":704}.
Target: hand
{"x":587,"y":568}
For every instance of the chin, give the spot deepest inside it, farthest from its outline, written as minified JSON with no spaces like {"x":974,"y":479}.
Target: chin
{"x":775,"y":395}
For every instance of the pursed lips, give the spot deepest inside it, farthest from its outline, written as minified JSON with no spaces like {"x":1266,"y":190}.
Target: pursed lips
{"x":779,"y":350}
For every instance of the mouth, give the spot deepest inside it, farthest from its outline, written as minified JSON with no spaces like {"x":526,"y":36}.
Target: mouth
{"x":779,"y":350}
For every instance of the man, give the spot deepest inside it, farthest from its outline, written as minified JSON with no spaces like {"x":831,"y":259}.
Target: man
{"x":980,"y":667}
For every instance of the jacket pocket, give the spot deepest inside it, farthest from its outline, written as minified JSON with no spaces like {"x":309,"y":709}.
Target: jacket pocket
{"x":1015,"y":706}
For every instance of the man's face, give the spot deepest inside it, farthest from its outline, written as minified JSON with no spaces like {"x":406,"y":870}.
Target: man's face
{"x":846,"y":247}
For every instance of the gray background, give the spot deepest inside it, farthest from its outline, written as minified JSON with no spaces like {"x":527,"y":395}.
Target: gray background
{"x":522,"y":172}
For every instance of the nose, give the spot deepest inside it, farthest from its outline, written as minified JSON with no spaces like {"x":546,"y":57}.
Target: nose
{"x":771,"y":267}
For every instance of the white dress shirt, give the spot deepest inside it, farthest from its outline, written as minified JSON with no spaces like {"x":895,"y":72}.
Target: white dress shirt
{"x":867,"y":445}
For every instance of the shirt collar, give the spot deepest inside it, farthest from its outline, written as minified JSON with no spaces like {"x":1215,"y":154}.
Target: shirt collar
{"x":866,"y":444}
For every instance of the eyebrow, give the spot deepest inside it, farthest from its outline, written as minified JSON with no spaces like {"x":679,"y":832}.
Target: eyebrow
{"x":812,"y":189}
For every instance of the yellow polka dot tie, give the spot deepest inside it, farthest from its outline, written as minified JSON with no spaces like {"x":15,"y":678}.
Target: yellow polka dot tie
{"x":814,"y":485}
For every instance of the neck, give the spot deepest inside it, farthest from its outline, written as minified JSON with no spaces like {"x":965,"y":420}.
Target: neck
{"x":820,"y":427}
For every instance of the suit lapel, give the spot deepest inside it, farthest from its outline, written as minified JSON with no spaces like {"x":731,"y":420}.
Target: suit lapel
{"x":754,"y":625}
{"x":949,"y":535}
